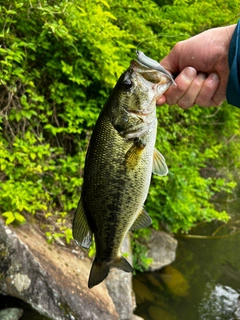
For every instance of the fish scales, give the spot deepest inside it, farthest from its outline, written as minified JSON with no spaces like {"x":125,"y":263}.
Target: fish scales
{"x":108,"y":194}
{"x":118,"y":168}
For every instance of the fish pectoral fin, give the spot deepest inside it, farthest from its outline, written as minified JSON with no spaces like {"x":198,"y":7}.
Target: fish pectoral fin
{"x":81,"y":230}
{"x":100,"y":271}
{"x":143,"y":220}
{"x":133,"y":155}
{"x":159,"y":164}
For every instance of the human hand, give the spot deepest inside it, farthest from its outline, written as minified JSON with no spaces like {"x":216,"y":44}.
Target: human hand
{"x":202,"y":66}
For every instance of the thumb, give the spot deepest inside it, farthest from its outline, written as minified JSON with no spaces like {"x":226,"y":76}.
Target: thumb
{"x":171,"y":62}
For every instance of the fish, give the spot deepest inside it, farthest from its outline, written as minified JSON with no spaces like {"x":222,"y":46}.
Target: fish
{"x":120,"y":160}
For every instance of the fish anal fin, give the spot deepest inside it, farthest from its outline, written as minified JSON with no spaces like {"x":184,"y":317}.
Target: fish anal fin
{"x":122,"y":264}
{"x":81,"y":230}
{"x":159,"y":164}
{"x":143,"y":220}
{"x":100,"y":271}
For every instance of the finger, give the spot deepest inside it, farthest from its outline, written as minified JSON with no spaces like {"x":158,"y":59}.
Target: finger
{"x":208,"y":90}
{"x":183,"y":81}
{"x":161,"y":100}
{"x":188,"y":99}
{"x":220,"y":94}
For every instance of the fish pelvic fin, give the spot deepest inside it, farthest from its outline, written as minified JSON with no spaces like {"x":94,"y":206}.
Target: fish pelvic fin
{"x":100,"y":271}
{"x":143,"y":220}
{"x":81,"y":230}
{"x":159,"y":164}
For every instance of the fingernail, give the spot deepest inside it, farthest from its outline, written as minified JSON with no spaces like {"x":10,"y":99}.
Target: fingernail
{"x":214,"y":76}
{"x":189,"y":72}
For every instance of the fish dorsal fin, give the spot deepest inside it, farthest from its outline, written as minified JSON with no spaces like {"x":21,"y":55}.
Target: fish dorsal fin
{"x":159,"y":164}
{"x":143,"y":220}
{"x":81,"y":230}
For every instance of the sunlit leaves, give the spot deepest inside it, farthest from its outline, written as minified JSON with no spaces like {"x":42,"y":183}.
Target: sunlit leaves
{"x":13,"y":217}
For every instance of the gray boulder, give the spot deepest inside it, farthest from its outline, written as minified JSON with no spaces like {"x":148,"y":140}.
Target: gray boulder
{"x":119,"y":284}
{"x":161,"y":247}
{"x":11,"y":314}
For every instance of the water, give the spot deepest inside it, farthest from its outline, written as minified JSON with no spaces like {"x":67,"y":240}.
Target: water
{"x":204,"y":281}
{"x":28,"y":314}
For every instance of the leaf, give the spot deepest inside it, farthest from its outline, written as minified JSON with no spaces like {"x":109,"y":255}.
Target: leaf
{"x":109,"y":15}
{"x":33,"y":155}
{"x":10,"y":217}
{"x":3,"y":166}
{"x":105,"y":3}
{"x":20,"y":218}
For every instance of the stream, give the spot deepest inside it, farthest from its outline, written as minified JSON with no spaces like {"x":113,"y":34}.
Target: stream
{"x":203,"y":283}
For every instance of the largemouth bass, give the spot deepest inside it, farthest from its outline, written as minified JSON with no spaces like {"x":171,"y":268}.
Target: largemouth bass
{"x":118,"y":167}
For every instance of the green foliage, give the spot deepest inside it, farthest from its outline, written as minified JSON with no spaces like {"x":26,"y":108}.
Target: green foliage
{"x":141,"y":261}
{"x":58,"y":63}
{"x":198,"y":171}
{"x":13,"y":217}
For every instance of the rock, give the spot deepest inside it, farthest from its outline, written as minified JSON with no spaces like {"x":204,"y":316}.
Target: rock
{"x":51,"y":279}
{"x":237,"y":309}
{"x":161,"y":248}
{"x":119,"y":284}
{"x":11,"y":314}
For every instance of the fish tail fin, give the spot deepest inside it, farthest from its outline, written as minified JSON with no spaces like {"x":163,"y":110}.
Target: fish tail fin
{"x":100,"y":271}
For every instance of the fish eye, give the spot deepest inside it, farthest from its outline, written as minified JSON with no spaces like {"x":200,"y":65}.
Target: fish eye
{"x":127,"y":84}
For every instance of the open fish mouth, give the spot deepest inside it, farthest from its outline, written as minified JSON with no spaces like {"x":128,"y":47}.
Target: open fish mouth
{"x":153,"y":83}
{"x":159,"y":81}
{"x":162,"y":87}
{"x":153,"y":64}
{"x":150,"y":74}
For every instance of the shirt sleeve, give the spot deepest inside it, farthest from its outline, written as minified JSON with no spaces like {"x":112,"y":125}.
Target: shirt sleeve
{"x":233,"y":86}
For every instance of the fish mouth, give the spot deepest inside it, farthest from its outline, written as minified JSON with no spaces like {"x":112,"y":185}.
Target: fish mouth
{"x":154,"y":79}
{"x":151,"y":80}
{"x":140,"y":112}
{"x":162,"y":87}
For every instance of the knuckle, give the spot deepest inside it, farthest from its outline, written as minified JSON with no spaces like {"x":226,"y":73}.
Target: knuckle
{"x":178,"y":46}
